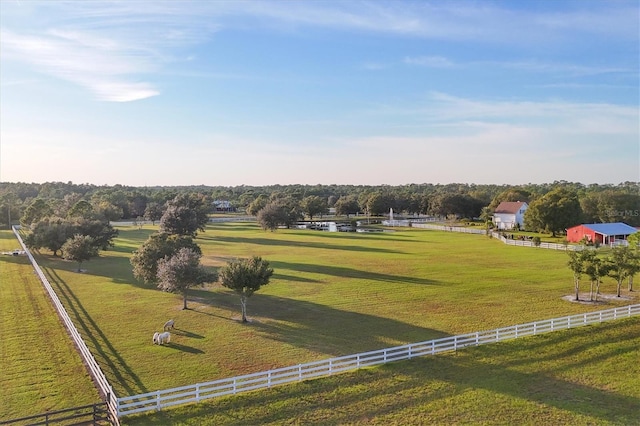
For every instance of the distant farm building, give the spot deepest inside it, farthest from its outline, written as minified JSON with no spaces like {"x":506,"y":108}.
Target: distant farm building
{"x":510,"y":214}
{"x":600,"y":233}
{"x":223,"y":206}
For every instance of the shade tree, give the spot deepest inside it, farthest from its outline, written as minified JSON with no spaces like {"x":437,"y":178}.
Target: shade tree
{"x":153,"y":212}
{"x":347,"y":205}
{"x":186,"y":214}
{"x":158,"y":246}
{"x":554,"y":212}
{"x":245,"y":277}
{"x":79,"y":248}
{"x":619,"y":264}
{"x":314,"y":205}
{"x":181,"y":271}
{"x":51,"y":233}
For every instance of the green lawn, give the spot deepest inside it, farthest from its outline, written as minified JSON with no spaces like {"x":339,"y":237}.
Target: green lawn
{"x":583,"y":376}
{"x":331,"y":294}
{"x":41,"y":370}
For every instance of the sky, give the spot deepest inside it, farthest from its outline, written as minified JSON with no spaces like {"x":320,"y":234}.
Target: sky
{"x":229,"y":93}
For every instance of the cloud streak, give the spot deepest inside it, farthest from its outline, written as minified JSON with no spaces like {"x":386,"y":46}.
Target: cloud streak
{"x":99,"y":65}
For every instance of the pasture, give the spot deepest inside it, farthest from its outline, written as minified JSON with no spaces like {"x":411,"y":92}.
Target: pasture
{"x":41,"y":369}
{"x":331,"y":294}
{"x":583,"y":376}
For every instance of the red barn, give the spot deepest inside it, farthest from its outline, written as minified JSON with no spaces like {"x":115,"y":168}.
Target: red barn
{"x":601,"y":233}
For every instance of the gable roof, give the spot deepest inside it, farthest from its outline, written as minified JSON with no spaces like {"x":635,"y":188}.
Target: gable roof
{"x":511,"y":207}
{"x":616,"y":228}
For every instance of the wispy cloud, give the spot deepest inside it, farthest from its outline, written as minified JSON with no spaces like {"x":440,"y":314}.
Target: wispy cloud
{"x":531,"y":66}
{"x":452,"y":20}
{"x":112,"y":48}
{"x":429,"y":61}
{"x":99,"y":65}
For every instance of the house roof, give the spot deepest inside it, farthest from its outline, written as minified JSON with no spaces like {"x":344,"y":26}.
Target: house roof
{"x":617,"y":228}
{"x":509,"y":207}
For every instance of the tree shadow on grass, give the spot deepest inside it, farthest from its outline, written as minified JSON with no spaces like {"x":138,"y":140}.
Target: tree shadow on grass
{"x":346,"y":272}
{"x":18,"y":260}
{"x":113,"y":365}
{"x":427,"y":385}
{"x":315,"y":327}
{"x":297,"y":243}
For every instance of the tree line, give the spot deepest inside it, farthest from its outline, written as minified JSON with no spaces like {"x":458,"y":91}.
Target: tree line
{"x":552,"y":207}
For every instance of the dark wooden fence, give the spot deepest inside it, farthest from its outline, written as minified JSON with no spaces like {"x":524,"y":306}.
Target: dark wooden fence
{"x":93,"y":414}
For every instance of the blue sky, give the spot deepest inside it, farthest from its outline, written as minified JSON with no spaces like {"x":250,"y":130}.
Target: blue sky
{"x":319,"y":92}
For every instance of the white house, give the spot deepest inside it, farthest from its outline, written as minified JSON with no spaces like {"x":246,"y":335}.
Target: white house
{"x":510,"y":214}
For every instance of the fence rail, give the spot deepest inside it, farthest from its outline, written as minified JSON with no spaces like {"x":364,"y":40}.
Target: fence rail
{"x":497,"y":236}
{"x":90,"y":362}
{"x":194,"y":393}
{"x":94,"y":414}
{"x":461,"y":229}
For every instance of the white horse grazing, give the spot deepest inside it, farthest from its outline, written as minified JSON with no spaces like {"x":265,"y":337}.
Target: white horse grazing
{"x":169,"y":324}
{"x":161,"y":338}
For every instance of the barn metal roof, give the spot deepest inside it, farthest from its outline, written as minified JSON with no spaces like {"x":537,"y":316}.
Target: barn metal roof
{"x":617,"y":228}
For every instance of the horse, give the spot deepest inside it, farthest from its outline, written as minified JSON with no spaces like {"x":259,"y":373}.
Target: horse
{"x":161,"y":338}
{"x":169,"y":324}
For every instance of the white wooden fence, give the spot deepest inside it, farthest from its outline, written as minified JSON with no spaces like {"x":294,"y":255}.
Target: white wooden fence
{"x":266,"y":379}
{"x":94,"y":369}
{"x":461,"y":229}
{"x":510,"y":242}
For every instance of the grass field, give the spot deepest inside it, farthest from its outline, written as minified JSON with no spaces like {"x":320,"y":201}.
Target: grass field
{"x":41,"y":369}
{"x":332,"y":294}
{"x":585,"y":376}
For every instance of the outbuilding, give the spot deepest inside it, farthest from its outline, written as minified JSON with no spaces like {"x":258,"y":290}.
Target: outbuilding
{"x":510,"y":214}
{"x":600,"y":233}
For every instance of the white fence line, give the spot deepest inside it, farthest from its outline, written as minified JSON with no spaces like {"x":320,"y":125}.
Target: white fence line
{"x":497,"y":236}
{"x":157,"y":400}
{"x":461,"y":229}
{"x":94,"y":369}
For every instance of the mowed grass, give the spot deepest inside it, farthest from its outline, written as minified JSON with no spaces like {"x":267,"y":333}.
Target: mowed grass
{"x":41,"y":370}
{"x":332,"y":294}
{"x":583,"y":376}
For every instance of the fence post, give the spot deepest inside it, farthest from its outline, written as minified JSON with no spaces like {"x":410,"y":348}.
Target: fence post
{"x":158,"y":406}
{"x":299,"y":372}
{"x":269,"y":379}
{"x":409,"y":352}
{"x":197,"y":392}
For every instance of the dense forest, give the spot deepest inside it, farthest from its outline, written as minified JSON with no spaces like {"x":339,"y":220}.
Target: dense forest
{"x":593,"y":203}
